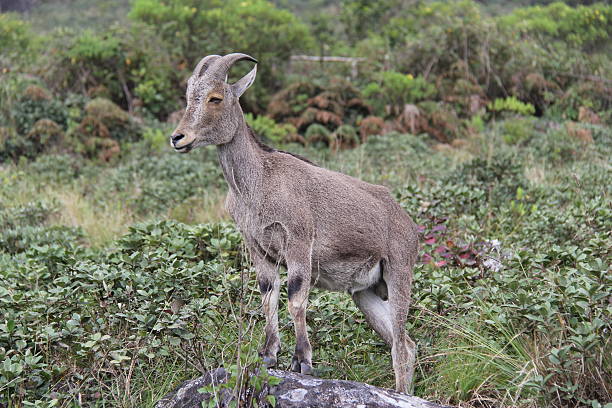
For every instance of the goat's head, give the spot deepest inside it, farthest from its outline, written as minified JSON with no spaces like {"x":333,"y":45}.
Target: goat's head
{"x":213,"y":112}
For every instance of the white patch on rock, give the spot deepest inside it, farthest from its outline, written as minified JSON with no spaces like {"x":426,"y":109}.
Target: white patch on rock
{"x":296,"y":395}
{"x":310,"y":382}
{"x":395,"y":402}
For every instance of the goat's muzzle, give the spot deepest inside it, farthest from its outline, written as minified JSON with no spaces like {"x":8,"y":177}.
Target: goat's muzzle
{"x":175,"y":140}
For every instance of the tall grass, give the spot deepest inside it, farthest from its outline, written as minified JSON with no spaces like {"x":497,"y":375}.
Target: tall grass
{"x":486,"y":362}
{"x":101,"y":222}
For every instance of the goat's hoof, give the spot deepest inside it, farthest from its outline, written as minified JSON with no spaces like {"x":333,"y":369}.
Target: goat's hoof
{"x":302,"y":367}
{"x":269,"y":361}
{"x":295,"y":365}
{"x":306,"y":368}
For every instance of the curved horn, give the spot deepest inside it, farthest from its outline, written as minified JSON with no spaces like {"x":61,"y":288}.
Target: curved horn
{"x":204,"y":64}
{"x":222,"y":66}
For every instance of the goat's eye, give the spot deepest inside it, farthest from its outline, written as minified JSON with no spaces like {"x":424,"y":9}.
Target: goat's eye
{"x":215,"y":100}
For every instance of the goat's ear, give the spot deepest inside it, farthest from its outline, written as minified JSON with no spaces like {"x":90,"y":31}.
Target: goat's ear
{"x":244,"y":83}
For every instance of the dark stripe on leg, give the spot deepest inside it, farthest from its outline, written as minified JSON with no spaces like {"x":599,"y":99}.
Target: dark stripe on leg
{"x":295,"y":284}
{"x":264,"y":286}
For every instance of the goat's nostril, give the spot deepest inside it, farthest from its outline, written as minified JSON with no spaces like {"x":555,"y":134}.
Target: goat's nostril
{"x":176,"y":138}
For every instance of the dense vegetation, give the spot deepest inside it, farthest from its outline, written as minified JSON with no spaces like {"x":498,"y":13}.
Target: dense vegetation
{"x":490,"y":123}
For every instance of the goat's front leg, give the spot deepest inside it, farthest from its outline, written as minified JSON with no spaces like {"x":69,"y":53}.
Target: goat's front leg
{"x":298,"y":287}
{"x":268,"y":280}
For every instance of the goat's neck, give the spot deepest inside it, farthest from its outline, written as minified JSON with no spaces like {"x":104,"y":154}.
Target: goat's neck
{"x":242,"y":163}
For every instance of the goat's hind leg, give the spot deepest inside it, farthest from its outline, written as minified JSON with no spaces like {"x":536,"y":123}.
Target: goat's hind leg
{"x":387,"y":321}
{"x":403,"y":349}
{"x":268,"y":280}
{"x":377,"y":313}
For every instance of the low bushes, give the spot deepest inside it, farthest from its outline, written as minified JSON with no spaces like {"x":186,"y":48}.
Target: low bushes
{"x":128,"y":65}
{"x":509,"y":300}
{"x":303,"y":104}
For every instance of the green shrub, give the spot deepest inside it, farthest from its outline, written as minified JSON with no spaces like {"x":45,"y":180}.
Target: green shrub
{"x":392,"y":159}
{"x":405,"y":145}
{"x":394,"y":90}
{"x":445,"y":42}
{"x":512,"y":105}
{"x":20,"y":240}
{"x":317,"y":134}
{"x":157,"y":138}
{"x":473,"y":58}
{"x":344,"y":137}
{"x":132,"y":296}
{"x":583,"y":26}
{"x":119,"y":124}
{"x":330,"y":104}
{"x":36,"y":104}
{"x":500,"y":176}
{"x":198,"y":29}
{"x":36,"y":121}
{"x":46,"y":135}
{"x":269,"y":130}
{"x":30,"y":214}
{"x":12,"y":146}
{"x":15,"y":40}
{"x":594,"y":95}
{"x":130,"y":65}
{"x":163,"y":181}
{"x":556,"y":146}
{"x":56,"y":168}
{"x":517,"y":130}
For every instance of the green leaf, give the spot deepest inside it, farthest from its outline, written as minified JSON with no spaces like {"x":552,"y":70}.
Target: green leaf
{"x":274,"y":380}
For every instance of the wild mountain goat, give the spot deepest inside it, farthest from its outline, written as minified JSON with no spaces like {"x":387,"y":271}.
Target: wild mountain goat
{"x":328,"y":229}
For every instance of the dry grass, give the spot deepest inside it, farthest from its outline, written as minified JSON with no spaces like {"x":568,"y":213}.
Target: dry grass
{"x":101,"y":223}
{"x":104,"y":220}
{"x":201,"y":209}
{"x":536,"y":173}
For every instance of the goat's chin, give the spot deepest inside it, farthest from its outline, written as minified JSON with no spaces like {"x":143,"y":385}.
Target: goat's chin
{"x":185,"y":149}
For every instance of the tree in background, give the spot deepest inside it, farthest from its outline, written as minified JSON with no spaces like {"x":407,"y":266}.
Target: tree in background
{"x":362,"y":17}
{"x":129,"y":65}
{"x":322,"y":27}
{"x":196,"y":28}
{"x":589,"y":28}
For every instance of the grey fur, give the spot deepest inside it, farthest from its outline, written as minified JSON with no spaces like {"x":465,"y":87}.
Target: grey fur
{"x":334,"y":231}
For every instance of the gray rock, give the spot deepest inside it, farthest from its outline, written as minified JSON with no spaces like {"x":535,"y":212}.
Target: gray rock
{"x":297,"y":391}
{"x":187,"y":394}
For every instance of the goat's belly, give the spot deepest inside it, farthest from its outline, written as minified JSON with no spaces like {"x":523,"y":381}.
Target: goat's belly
{"x":344,"y":277}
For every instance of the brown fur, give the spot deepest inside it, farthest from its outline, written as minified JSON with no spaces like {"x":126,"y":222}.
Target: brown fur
{"x":329,"y":229}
